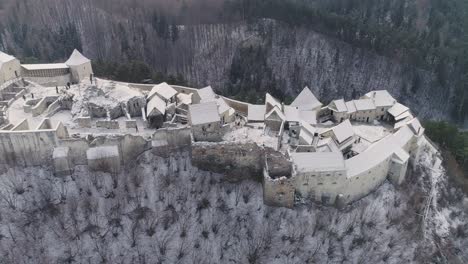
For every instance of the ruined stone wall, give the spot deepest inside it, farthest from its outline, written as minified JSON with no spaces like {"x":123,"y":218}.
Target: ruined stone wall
{"x":212,"y":132}
{"x":27,"y":148}
{"x":164,"y":141}
{"x":130,"y":147}
{"x":61,"y":80}
{"x":278,"y":192}
{"x":42,"y":105}
{"x":236,"y":161}
{"x":108,"y":124}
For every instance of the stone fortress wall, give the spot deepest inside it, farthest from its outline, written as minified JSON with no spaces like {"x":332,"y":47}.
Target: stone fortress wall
{"x":287,"y":178}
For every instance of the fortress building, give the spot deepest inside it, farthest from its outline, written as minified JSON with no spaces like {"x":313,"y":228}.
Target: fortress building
{"x":304,"y":152}
{"x":74,"y":70}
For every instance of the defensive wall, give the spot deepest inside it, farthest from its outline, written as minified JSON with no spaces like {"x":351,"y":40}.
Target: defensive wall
{"x":25,"y":147}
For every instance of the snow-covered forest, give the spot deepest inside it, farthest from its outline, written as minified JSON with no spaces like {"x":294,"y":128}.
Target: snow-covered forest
{"x":163,"y":210}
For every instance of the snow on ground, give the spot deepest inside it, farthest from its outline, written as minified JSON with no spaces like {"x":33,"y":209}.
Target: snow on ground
{"x":247,"y":134}
{"x":361,"y":146}
{"x":166,"y":211}
{"x":371,"y":133}
{"x":112,"y":94}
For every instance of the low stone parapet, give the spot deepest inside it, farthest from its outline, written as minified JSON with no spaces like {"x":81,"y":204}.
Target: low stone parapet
{"x":108,"y":124}
{"x":84,"y":121}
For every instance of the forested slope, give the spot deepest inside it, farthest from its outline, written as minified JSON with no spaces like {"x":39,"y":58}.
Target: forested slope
{"x":416,"y":49}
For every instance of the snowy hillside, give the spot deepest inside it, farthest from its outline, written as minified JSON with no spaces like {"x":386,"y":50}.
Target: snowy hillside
{"x":166,"y":211}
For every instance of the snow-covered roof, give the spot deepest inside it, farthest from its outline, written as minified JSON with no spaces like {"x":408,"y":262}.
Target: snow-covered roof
{"x":5,"y":57}
{"x":306,"y":137}
{"x":309,"y":116}
{"x":77,"y":58}
{"x":416,"y":126}
{"x":402,"y":123}
{"x":404,"y":115}
{"x":307,"y":132}
{"x":308,"y":128}
{"x":222,"y":106}
{"x":272,"y":101}
{"x":381,"y":98}
{"x":278,"y":113}
{"x":378,"y":152}
{"x":397,"y":109}
{"x":256,"y":113}
{"x":318,"y":161}
{"x":204,"y":113}
{"x":364,"y":104}
{"x":102,"y":152}
{"x":340,"y":105}
{"x":47,"y":66}
{"x":207,"y":94}
{"x":154,"y":104}
{"x":351,"y":107}
{"x":184,"y":98}
{"x":327,"y":145}
{"x":306,"y":100}
{"x":292,"y":114}
{"x":164,"y":90}
{"x":343,"y":131}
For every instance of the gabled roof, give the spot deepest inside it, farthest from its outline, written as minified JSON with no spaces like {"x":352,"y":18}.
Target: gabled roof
{"x":272,"y":101}
{"x":256,"y":113}
{"x":292,"y":114}
{"x":156,"y":106}
{"x":222,"y":106}
{"x":351,"y":107}
{"x":397,"y":109}
{"x":327,"y":145}
{"x":4,"y":58}
{"x":309,"y":116}
{"x":307,"y":128}
{"x":307,"y":133}
{"x":364,"y":104}
{"x":339,"y":105}
{"x":164,"y":90}
{"x":204,"y":113}
{"x":381,"y":98}
{"x":343,"y":131}
{"x":276,"y":111}
{"x":306,"y":100}
{"x":77,"y":58}
{"x":207,"y":94}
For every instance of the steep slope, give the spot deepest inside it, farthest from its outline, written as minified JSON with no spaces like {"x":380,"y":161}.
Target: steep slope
{"x":163,"y":210}
{"x":237,"y":57}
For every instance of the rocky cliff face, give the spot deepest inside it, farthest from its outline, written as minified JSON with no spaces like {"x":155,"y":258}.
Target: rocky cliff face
{"x":260,"y":55}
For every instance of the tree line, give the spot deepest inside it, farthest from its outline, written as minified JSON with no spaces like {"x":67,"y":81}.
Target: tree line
{"x":450,"y":138}
{"x":135,"y":72}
